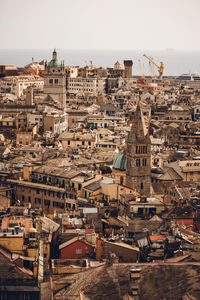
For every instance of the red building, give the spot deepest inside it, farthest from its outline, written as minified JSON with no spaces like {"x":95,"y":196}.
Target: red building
{"x":75,"y":248}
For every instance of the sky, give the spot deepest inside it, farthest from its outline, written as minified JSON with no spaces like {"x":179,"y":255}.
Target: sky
{"x":100,"y":24}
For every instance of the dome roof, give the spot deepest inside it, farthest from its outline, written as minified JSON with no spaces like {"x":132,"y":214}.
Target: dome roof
{"x":54,"y":64}
{"x":119,"y":163}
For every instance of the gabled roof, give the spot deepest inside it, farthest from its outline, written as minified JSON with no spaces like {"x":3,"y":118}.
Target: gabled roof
{"x":170,"y":174}
{"x":108,"y":107}
{"x":123,"y":245}
{"x":49,"y":225}
{"x":13,"y":275}
{"x":77,"y":238}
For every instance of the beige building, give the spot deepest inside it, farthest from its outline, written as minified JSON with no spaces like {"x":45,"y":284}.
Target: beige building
{"x":55,"y":122}
{"x":81,"y":85}
{"x":36,"y":195}
{"x":77,"y":140}
{"x":17,"y":85}
{"x":26,"y":136}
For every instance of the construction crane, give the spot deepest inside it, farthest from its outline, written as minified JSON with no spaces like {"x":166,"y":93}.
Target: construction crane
{"x":141,"y":69}
{"x":152,"y":71}
{"x":159,"y":68}
{"x":141,"y":80}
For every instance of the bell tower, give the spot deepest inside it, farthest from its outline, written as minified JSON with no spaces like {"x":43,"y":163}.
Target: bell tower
{"x":55,"y":81}
{"x":138,"y":155}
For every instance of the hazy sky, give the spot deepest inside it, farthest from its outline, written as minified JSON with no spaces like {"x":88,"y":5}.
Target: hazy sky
{"x":100,"y":24}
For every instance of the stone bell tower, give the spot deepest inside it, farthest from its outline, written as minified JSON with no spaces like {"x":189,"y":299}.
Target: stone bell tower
{"x":55,"y":81}
{"x":138,"y":155}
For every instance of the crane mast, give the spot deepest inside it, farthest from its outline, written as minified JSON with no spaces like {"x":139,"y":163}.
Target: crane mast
{"x":141,"y":69}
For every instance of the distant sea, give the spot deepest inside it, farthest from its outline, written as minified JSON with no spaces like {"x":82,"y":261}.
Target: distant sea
{"x":175,"y":62}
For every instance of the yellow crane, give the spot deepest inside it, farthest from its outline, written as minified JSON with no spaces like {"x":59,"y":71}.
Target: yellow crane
{"x":159,"y":68}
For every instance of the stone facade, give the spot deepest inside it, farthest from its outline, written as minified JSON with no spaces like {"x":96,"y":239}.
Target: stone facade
{"x":138,"y":154}
{"x":55,"y":81}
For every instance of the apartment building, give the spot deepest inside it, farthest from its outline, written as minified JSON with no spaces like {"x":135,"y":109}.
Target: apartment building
{"x":55,"y":123}
{"x":17,"y":85}
{"x":81,"y":85}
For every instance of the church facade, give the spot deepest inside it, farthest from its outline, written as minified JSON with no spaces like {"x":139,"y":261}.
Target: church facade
{"x":138,"y":156}
{"x":55,"y":81}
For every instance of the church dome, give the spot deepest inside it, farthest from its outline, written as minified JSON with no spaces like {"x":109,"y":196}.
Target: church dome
{"x":119,"y":163}
{"x":54,"y":64}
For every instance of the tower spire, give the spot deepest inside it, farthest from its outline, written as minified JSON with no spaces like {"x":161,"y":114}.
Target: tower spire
{"x":54,"y":54}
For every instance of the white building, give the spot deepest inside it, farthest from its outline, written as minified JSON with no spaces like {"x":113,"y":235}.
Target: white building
{"x":81,"y":85}
{"x":17,"y":85}
{"x":55,"y":123}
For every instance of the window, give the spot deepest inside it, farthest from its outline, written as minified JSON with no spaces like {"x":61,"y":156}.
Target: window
{"x":29,"y":199}
{"x":50,"y":81}
{"x":79,"y":186}
{"x":38,"y":191}
{"x":50,"y":128}
{"x":68,"y":142}
{"x":83,"y":143}
{"x":78,"y":251}
{"x":144,"y":149}
{"x":23,"y":198}
{"x":137,"y":162}
{"x":141,"y":186}
{"x":47,"y":203}
{"x":144,"y":162}
{"x":56,"y":81}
